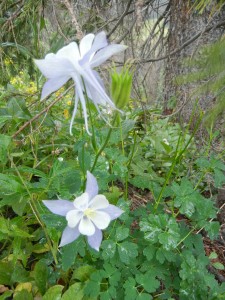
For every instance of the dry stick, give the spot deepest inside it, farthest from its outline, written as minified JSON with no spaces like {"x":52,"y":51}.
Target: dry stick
{"x":120,"y":19}
{"x":41,"y":113}
{"x":188,"y":42}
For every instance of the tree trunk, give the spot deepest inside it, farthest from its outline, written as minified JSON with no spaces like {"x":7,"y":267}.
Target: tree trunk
{"x":185,"y":25}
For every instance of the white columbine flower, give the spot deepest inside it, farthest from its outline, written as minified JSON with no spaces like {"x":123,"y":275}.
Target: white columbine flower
{"x":88,"y":214}
{"x":77,"y":63}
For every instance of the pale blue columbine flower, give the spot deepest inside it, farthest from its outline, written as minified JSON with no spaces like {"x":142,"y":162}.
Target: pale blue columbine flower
{"x":88,"y":214}
{"x":77,"y":63}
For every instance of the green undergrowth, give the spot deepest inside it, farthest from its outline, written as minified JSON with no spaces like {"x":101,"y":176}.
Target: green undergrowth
{"x":153,"y":251}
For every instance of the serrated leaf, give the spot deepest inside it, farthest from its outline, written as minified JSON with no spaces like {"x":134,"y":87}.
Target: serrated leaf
{"x":75,"y":291}
{"x":122,"y":233}
{"x":127,"y":251}
{"x":54,"y":293}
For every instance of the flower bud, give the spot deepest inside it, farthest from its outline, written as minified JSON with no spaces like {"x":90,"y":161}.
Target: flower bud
{"x":121,"y":87}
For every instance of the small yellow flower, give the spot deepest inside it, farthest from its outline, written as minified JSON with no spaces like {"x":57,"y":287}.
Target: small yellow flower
{"x":66,"y":113}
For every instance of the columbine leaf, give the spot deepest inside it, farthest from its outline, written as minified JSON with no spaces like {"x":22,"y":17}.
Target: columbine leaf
{"x":149,"y":252}
{"x":130,"y":289}
{"x":70,"y":251}
{"x":148,"y":281}
{"x":109,"y":249}
{"x":127,"y":251}
{"x":122,"y":233}
{"x":185,"y":197}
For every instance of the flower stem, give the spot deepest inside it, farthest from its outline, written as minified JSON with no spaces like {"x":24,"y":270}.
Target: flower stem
{"x":104,"y":144}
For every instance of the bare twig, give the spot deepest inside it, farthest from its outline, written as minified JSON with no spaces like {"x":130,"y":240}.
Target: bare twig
{"x":120,"y":19}
{"x":41,"y":113}
{"x":188,"y":42}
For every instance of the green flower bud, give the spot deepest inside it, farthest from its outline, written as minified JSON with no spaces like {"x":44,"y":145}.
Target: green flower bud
{"x":121,"y":87}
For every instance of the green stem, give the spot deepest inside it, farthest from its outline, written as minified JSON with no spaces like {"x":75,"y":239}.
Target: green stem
{"x":36,"y":212}
{"x":104,"y":144}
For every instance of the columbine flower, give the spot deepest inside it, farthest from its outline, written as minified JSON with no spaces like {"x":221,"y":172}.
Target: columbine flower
{"x":77,"y":63}
{"x":88,"y":214}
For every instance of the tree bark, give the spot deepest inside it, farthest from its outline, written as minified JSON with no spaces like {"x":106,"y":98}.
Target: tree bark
{"x":186,"y":23}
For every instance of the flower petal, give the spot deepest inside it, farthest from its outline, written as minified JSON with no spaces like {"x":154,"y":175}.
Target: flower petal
{"x":86,"y":43}
{"x":102,"y":55}
{"x":113,"y":211}
{"x":89,"y":77}
{"x":79,"y":87}
{"x":86,"y":227}
{"x":69,"y":235}
{"x":53,"y":67}
{"x":70,"y":52}
{"x":59,"y":207}
{"x":91,"y":186}
{"x":53,"y":85}
{"x":99,"y":202}
{"x":100,"y":41}
{"x":100,"y":219}
{"x":74,"y":111}
{"x":95,"y":240}
{"x":82,"y":202}
{"x":73,"y":217}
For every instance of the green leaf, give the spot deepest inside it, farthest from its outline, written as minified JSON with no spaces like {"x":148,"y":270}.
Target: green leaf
{"x":70,"y":251}
{"x":84,"y":159}
{"x":4,"y":144}
{"x":75,"y":291}
{"x":148,"y":281}
{"x":127,"y":251}
{"x":186,"y":197}
{"x":41,"y":276}
{"x":213,"y":255}
{"x":122,"y":233}
{"x":83,"y":273}
{"x":92,"y":287}
{"x":6,"y":270}
{"x":218,"y":266}
{"x":23,"y":295}
{"x":54,"y":293}
{"x":130,"y":289}
{"x":144,"y":296}
{"x":10,"y":184}
{"x":171,"y":237}
{"x":149,"y":252}
{"x":219,"y":178}
{"x":19,"y":274}
{"x":109,"y":249}
{"x":6,"y":295}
